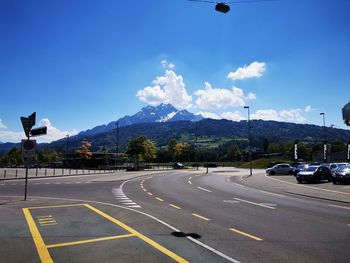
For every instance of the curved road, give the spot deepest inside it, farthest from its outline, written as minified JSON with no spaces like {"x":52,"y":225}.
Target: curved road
{"x":170,"y":216}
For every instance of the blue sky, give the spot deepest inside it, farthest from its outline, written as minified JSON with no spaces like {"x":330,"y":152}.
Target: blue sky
{"x":79,"y":64}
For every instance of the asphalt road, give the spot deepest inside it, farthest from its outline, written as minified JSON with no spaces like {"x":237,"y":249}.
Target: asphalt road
{"x":170,"y":216}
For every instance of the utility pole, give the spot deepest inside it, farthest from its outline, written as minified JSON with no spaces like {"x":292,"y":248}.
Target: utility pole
{"x":249,"y":141}
{"x":117,"y":145}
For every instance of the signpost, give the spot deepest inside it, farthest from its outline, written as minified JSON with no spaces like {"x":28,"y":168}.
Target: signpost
{"x":29,"y":146}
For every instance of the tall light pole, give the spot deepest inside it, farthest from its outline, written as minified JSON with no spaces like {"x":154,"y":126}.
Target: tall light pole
{"x":67,"y":138}
{"x":324,"y":138}
{"x":117,"y":145}
{"x":249,"y":141}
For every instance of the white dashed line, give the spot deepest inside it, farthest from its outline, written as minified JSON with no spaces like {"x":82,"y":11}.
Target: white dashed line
{"x":189,"y":182}
{"x":279,"y":195}
{"x":123,"y":199}
{"x":253,"y":203}
{"x":203,"y":189}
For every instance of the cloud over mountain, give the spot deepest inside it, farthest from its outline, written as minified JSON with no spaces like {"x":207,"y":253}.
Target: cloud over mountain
{"x":254,"y":70}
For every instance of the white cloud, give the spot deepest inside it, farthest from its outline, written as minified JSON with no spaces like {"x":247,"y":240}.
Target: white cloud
{"x":254,"y":70}
{"x":233,"y":116}
{"x":211,"y":98}
{"x":169,"y":88}
{"x":53,"y":133}
{"x":167,"y":65}
{"x":11,"y":136}
{"x":251,"y":96}
{"x":209,"y":115}
{"x":308,"y":108}
{"x":2,"y":125}
{"x":292,"y":115}
{"x":268,"y":114}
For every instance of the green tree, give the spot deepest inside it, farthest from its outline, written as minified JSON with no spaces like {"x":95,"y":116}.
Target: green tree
{"x":14,"y":156}
{"x":182,"y":151}
{"x":47,"y":156}
{"x":233,"y":153}
{"x":141,"y":149}
{"x":172,"y":148}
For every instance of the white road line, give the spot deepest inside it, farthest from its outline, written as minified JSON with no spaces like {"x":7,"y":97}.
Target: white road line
{"x":231,"y":201}
{"x":203,"y":189}
{"x":240,"y":185}
{"x":189,"y":182}
{"x":252,"y":203}
{"x":135,"y":206}
{"x":339,"y":206}
{"x":266,"y":192}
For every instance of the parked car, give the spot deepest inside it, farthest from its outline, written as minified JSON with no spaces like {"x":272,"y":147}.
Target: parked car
{"x":282,"y":168}
{"x":335,"y":166}
{"x":178,"y":166}
{"x":314,"y":173}
{"x":342,"y":174}
{"x":300,"y":167}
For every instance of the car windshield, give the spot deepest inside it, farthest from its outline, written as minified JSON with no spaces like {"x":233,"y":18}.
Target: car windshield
{"x":344,"y":168}
{"x":311,"y":168}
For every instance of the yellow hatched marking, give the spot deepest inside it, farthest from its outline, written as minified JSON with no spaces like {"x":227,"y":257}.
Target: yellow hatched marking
{"x":38,"y":241}
{"x":175,"y":206}
{"x":88,"y":241}
{"x":149,"y":193}
{"x":245,"y":234}
{"x":201,"y":217}
{"x":49,"y":224}
{"x":159,"y":199}
{"x":139,"y":235}
{"x":54,"y":206}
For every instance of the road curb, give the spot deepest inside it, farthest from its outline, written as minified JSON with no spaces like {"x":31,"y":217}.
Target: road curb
{"x":317,"y":197}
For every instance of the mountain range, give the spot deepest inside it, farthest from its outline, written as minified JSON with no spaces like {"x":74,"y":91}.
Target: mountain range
{"x":165,"y":122}
{"x":149,"y":114}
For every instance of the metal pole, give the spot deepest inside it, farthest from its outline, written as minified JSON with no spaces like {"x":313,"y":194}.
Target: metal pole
{"x":26,"y":180}
{"x":249,"y":142}
{"x":117,"y":155}
{"x":67,"y":138}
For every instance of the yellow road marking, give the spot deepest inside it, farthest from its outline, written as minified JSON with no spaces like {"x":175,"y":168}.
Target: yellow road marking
{"x":159,"y":199}
{"x":54,"y":206}
{"x":245,"y":234}
{"x":149,"y":193}
{"x":88,"y":241}
{"x":139,"y":235}
{"x":47,"y":221}
{"x":175,"y":206}
{"x":38,"y":241}
{"x":201,"y":217}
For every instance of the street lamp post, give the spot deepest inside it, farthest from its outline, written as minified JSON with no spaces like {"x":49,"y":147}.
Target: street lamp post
{"x":249,"y":141}
{"x":324,"y":138}
{"x":117,"y":145}
{"x":67,"y":138}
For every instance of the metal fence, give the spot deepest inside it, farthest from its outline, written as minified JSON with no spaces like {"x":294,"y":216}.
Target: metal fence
{"x":13,"y":173}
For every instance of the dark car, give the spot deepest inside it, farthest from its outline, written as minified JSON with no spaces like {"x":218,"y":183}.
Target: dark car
{"x":314,"y":173}
{"x":342,"y":175}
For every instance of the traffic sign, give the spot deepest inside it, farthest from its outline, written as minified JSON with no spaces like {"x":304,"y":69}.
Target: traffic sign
{"x":28,"y":123}
{"x":28,"y":148}
{"x":38,"y":131}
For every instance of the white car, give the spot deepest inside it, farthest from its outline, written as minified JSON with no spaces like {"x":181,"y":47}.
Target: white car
{"x":282,"y":168}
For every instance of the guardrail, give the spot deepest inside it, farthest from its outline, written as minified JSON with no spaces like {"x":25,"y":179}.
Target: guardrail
{"x":13,"y":173}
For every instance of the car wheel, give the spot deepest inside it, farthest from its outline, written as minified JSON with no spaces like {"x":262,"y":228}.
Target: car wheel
{"x":290,"y":172}
{"x":299,"y":181}
{"x":272,"y":173}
